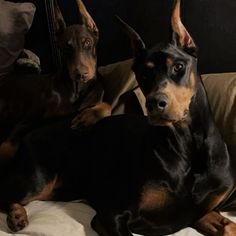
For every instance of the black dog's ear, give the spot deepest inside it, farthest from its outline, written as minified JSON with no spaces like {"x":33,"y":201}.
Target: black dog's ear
{"x":181,"y":36}
{"x":59,"y":22}
{"x":138,"y":45}
{"x":86,"y":18}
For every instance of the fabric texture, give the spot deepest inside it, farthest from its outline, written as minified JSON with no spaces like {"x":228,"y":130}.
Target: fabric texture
{"x":65,"y":219}
{"x":15,"y":21}
{"x":221,"y":90}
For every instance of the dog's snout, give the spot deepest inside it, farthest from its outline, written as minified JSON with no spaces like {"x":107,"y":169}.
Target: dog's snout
{"x":157,"y":103}
{"x":82,"y":75}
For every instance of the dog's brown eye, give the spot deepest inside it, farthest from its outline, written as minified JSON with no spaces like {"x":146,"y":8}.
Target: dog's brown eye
{"x":87,"y":44}
{"x":178,"y":67}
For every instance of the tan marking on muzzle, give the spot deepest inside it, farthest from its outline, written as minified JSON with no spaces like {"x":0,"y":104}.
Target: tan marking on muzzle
{"x":179,"y":98}
{"x":83,"y":65}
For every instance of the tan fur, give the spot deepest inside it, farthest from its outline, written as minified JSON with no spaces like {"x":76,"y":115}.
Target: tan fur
{"x":8,"y":150}
{"x":92,"y":115}
{"x":216,"y":200}
{"x":169,"y":61}
{"x":179,"y":99}
{"x":154,"y":197}
{"x":150,"y":64}
{"x":44,"y":195}
{"x":17,"y":217}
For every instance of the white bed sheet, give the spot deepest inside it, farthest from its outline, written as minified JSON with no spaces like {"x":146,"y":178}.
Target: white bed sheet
{"x":64,"y":219}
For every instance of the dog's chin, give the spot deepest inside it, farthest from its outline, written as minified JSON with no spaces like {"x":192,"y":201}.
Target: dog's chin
{"x":157,"y":120}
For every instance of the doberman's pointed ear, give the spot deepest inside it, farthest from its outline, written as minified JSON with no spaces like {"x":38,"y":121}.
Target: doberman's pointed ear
{"x":86,"y":18}
{"x":59,"y":22}
{"x":181,"y":36}
{"x":138,"y":45}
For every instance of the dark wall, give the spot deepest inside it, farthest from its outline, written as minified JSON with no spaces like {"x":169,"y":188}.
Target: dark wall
{"x":213,"y":26}
{"x":212,"y":23}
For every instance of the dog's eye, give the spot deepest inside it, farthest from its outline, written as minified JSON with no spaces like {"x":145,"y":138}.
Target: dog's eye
{"x":178,"y":67}
{"x":87,"y":44}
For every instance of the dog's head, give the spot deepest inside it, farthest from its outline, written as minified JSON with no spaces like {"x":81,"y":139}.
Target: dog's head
{"x":78,"y":45}
{"x":166,"y":73}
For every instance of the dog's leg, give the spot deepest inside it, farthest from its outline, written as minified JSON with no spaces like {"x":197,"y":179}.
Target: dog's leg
{"x":17,"y":217}
{"x":91,"y":115}
{"x":215,"y":224}
{"x":9,"y":147}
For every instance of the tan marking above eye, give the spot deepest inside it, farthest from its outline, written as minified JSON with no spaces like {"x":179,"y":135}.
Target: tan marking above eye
{"x":169,"y":61}
{"x":150,"y":64}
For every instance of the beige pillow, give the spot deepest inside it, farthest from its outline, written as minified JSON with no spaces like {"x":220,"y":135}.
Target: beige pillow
{"x":221,"y":89}
{"x":120,"y":84}
{"x":15,"y":21}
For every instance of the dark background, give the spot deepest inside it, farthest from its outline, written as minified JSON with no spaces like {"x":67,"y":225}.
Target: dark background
{"x":212,"y":23}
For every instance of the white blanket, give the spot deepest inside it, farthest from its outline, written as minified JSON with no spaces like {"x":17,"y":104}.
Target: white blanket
{"x":63,"y":219}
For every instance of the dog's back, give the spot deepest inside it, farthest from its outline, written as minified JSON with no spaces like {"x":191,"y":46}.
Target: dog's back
{"x":122,"y":164}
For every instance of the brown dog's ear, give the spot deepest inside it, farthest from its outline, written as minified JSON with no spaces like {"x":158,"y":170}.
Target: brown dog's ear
{"x":181,"y":36}
{"x":59,"y":22}
{"x":86,"y":18}
{"x":138,"y":45}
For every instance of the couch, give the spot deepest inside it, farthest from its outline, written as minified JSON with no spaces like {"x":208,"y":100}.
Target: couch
{"x":73,"y":218}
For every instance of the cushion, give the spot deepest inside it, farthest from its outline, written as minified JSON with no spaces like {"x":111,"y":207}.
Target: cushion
{"x":221,"y":90}
{"x":119,"y":81}
{"x":15,"y":21}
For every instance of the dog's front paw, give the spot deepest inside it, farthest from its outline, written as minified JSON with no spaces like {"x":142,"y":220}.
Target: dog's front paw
{"x":17,"y":217}
{"x":91,"y":116}
{"x":214,"y":224}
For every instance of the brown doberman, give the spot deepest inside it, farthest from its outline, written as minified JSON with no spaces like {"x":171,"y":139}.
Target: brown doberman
{"x":27,"y":98}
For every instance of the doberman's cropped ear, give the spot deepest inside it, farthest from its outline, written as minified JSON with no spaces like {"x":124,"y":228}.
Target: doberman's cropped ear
{"x":139,"y":48}
{"x":181,"y":36}
{"x":86,"y":18}
{"x":59,"y":22}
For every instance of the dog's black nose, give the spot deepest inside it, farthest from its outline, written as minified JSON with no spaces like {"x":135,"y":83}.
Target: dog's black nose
{"x":158,"y":103}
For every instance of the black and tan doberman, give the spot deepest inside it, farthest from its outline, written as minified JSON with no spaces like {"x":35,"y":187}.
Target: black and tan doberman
{"x":152,"y":176}
{"x":27,"y":98}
